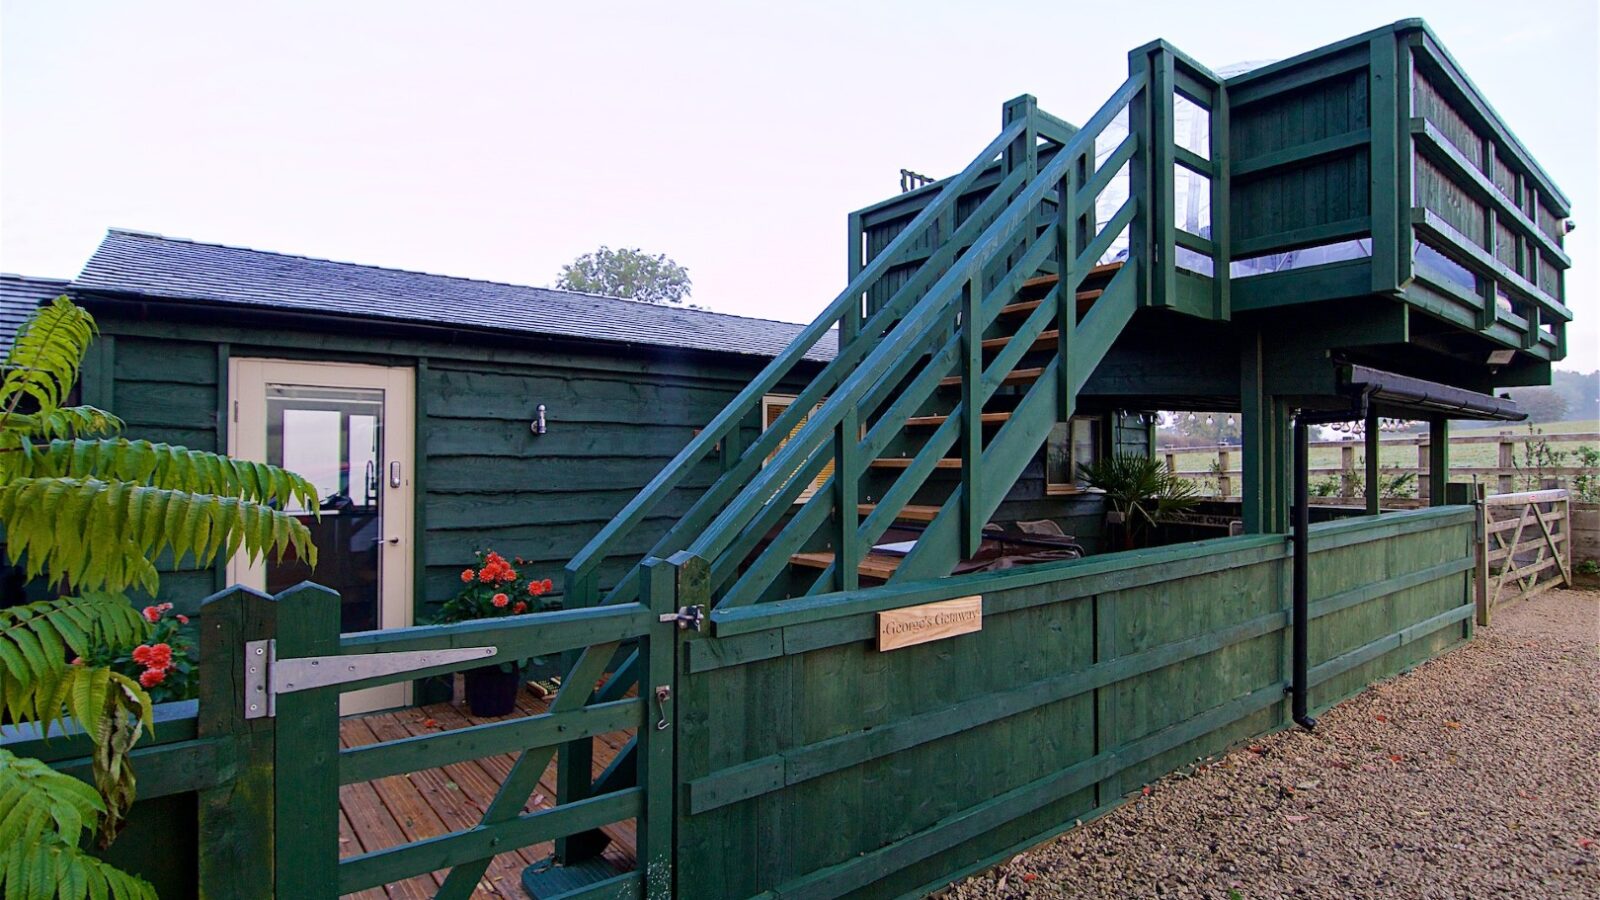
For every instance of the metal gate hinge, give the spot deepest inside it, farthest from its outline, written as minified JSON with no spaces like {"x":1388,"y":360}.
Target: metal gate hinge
{"x":687,"y":617}
{"x":266,"y":676}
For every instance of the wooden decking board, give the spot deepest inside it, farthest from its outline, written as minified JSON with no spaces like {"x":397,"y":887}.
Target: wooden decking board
{"x":391,"y":811}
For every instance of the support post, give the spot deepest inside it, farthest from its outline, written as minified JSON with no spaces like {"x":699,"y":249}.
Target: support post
{"x":846,"y":491}
{"x":1505,"y":483}
{"x":1439,"y":461}
{"x":971,"y":418}
{"x":1480,"y":563}
{"x":1374,"y":460}
{"x":1224,"y":479}
{"x":575,"y":760}
{"x":1424,"y":474}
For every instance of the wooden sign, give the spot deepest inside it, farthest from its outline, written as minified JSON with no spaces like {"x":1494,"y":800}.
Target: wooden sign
{"x":929,"y":622}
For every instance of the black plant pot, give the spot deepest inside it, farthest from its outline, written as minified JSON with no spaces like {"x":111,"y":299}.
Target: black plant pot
{"x":492,"y":691}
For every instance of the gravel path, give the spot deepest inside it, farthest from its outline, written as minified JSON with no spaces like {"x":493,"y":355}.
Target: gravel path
{"x":1476,"y":775}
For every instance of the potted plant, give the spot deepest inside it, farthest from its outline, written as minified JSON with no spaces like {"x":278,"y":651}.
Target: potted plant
{"x":493,"y":589}
{"x":1138,"y":489}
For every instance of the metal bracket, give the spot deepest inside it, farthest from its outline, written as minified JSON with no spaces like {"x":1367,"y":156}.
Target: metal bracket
{"x":266,"y":676}
{"x":687,"y":617}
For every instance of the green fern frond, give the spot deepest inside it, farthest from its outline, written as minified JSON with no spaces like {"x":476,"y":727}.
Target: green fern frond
{"x":167,"y":466}
{"x":62,"y":422}
{"x":46,"y":354}
{"x":36,"y":801}
{"x":37,"y":682}
{"x":54,"y":869}
{"x":101,"y":534}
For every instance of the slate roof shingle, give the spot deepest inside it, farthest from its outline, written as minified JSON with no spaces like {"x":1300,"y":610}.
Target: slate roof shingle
{"x":146,"y":265}
{"x":20,"y":295}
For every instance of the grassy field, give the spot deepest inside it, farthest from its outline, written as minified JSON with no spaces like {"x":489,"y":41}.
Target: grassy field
{"x":1393,"y":453}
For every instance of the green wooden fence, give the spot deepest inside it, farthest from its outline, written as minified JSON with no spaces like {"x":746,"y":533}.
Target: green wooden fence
{"x":812,"y":765}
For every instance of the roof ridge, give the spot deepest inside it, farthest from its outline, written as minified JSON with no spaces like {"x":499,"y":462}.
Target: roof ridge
{"x":151,"y":235}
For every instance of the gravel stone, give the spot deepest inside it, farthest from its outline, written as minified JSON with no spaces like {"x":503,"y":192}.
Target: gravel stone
{"x":1475,"y":775}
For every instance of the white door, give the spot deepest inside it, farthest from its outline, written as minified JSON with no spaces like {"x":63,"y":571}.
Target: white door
{"x":348,"y":430}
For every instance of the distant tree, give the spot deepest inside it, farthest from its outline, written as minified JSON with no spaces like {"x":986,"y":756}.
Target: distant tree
{"x":1542,"y":404}
{"x":629,"y":273}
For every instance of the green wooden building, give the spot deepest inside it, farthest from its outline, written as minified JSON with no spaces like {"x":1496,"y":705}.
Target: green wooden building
{"x":1347,"y":234}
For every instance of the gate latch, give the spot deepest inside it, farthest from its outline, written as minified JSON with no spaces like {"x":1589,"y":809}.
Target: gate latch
{"x":266,"y":676}
{"x":663,"y":697}
{"x":687,"y":617}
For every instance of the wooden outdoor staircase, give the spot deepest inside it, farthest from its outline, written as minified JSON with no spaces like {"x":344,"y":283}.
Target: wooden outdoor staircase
{"x":881,"y":566}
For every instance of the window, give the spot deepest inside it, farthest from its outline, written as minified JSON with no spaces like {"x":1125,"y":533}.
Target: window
{"x":773,"y":406}
{"x":1070,"y":445}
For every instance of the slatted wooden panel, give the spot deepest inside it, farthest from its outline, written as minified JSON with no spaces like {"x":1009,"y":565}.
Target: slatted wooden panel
{"x":390,"y":811}
{"x":811,"y":763}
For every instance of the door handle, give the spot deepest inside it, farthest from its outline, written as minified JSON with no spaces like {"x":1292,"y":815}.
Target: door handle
{"x":394,"y":474}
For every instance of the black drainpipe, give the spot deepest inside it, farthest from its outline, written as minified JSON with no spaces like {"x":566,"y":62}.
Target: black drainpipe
{"x":1302,"y":534}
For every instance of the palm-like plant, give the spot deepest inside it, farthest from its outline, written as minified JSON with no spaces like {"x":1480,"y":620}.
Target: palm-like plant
{"x":1139,"y":489}
{"x":91,"y":511}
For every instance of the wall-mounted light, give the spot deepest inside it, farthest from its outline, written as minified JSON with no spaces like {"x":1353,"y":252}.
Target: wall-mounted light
{"x":538,"y":425}
{"x":1501,"y":357}
{"x":1569,"y":226}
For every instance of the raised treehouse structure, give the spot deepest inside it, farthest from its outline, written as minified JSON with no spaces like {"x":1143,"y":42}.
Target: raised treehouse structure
{"x":1349,"y":233}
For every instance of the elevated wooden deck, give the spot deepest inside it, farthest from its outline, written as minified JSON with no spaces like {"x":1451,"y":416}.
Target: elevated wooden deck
{"x":403,"y":808}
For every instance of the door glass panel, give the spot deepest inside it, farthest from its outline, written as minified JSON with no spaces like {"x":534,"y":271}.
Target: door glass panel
{"x":333,"y":437}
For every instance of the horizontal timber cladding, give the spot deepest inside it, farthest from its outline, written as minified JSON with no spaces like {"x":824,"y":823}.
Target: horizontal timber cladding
{"x":812,"y":765}
{"x":615,"y":418}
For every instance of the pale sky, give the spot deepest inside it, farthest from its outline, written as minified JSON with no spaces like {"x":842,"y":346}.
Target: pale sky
{"x":499,"y":140}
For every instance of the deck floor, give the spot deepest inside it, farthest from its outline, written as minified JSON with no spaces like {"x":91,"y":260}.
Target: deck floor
{"x":399,"y":809}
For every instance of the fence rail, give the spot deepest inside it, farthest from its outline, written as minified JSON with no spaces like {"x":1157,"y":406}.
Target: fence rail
{"x":1504,"y":473}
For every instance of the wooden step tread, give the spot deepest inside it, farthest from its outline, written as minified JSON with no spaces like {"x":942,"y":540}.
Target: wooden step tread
{"x":1085,"y":300}
{"x":906,"y":514}
{"x":1100,"y":271}
{"x":873,"y":565}
{"x":904,"y":462}
{"x":1017,"y":376}
{"x":989,"y":418}
{"x":1045,"y":340}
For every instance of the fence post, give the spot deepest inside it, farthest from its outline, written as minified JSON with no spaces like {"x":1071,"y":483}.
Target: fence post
{"x":1423,"y":475}
{"x":307,"y":773}
{"x":236,"y":817}
{"x":1347,"y":471}
{"x":1172,"y":462}
{"x":1224,"y":480}
{"x":1507,"y":462}
{"x":1480,"y":570}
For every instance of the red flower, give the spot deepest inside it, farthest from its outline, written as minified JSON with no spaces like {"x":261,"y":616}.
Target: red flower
{"x":141,"y":654}
{"x":151,"y":677}
{"x":535,"y":588}
{"x":158,"y":656}
{"x":500,"y":600}
{"x":183,"y":620}
{"x":77,"y":660}
{"x":520,"y":608}
{"x":152,"y":614}
{"x":549,"y":585}
{"x":486,"y":576}
{"x":467,"y":575}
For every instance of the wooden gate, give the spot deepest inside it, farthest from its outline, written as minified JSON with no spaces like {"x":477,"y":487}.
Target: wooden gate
{"x":1526,"y":547}
{"x":290,"y":683}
